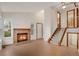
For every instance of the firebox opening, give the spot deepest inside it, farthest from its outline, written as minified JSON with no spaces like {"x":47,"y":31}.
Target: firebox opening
{"x":22,"y":37}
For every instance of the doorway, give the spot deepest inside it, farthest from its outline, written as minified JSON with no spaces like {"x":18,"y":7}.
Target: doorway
{"x":58,"y":20}
{"x":73,"y":39}
{"x":39,"y":31}
{"x":71,"y":18}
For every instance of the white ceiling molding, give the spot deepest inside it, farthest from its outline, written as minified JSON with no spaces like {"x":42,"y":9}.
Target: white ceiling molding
{"x":25,"y":6}
{"x":65,"y":5}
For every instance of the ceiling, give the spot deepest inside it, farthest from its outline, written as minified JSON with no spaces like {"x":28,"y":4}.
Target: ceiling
{"x":25,"y":6}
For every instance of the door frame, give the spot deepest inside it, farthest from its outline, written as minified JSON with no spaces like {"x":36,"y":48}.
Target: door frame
{"x":77,"y":15}
{"x":73,"y":18}
{"x":37,"y":30}
{"x":77,"y":38}
{"x":59,"y":20}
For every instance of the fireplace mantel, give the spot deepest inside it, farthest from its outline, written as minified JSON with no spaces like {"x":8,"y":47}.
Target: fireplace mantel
{"x":21,"y":30}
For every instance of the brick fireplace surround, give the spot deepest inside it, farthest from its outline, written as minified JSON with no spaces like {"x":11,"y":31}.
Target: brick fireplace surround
{"x":20,"y":31}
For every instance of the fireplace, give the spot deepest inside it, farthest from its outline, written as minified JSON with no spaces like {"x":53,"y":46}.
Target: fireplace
{"x":22,"y":37}
{"x":21,"y":34}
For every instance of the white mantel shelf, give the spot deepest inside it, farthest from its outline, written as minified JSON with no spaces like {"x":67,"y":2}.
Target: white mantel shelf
{"x":22,"y":29}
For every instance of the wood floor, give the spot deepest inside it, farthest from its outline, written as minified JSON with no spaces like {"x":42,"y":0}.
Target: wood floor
{"x":38,"y":48}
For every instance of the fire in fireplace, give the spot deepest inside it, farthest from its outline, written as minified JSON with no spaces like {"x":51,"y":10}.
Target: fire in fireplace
{"x":22,"y":37}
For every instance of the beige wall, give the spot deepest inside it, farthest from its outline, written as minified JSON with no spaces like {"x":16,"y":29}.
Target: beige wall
{"x":64,"y":23}
{"x":22,"y":20}
{"x":47,"y":17}
{"x":50,"y":23}
{"x":18,"y":20}
{"x":64,"y":15}
{"x":1,"y":29}
{"x":38,"y":18}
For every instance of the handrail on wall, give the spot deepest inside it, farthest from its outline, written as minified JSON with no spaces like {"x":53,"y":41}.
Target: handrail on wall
{"x":62,"y":37}
{"x":55,"y":33}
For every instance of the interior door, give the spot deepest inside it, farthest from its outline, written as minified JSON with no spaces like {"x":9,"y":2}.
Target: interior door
{"x":39,"y":31}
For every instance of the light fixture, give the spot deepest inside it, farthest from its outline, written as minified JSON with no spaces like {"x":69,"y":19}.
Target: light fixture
{"x":75,"y":4}
{"x":64,"y":7}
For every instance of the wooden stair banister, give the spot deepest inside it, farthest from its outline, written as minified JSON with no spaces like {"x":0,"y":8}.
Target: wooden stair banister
{"x":52,"y":35}
{"x":62,"y":37}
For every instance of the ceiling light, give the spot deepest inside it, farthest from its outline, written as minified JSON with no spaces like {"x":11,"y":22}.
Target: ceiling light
{"x":63,"y":7}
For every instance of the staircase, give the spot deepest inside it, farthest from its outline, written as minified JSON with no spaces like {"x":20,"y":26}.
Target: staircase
{"x":57,"y":36}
